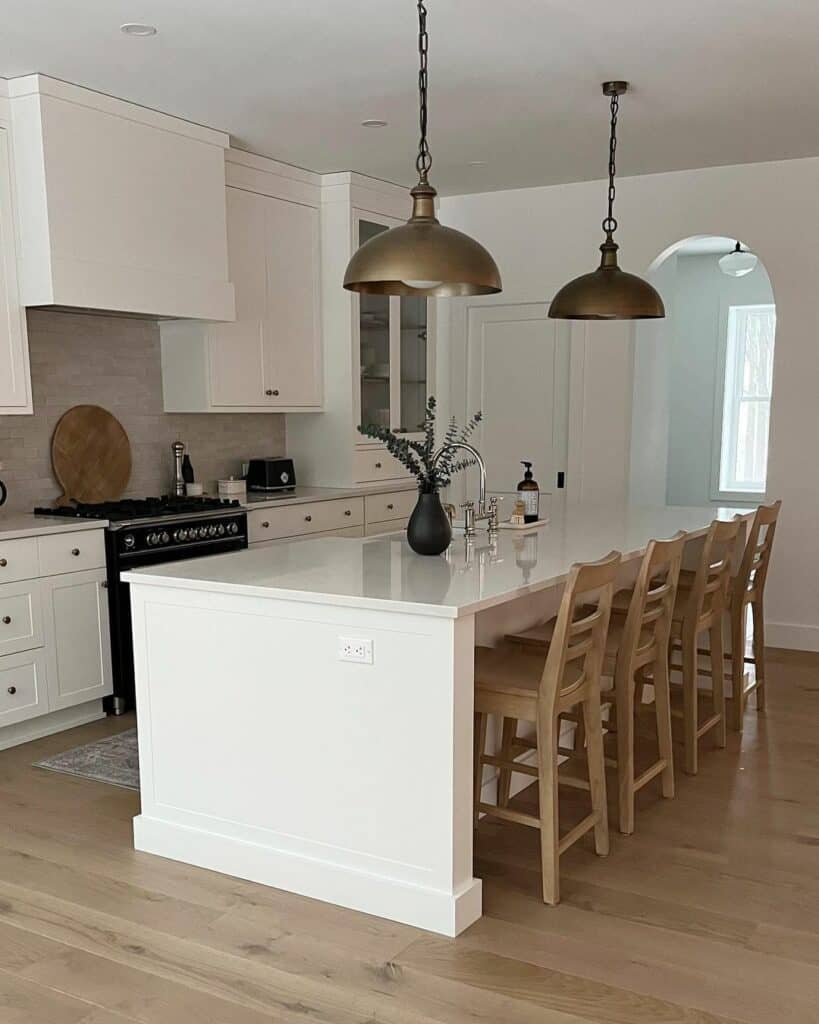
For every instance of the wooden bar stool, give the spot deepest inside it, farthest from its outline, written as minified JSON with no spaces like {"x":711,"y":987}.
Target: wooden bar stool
{"x":749,"y":590}
{"x":637,"y":649}
{"x":536,"y":687}
{"x":702,"y":598}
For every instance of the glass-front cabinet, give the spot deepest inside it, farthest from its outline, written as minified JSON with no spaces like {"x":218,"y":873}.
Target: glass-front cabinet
{"x":395,"y":359}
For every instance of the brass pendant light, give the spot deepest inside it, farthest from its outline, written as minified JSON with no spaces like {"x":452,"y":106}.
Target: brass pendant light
{"x":422,"y":257}
{"x":608,"y":293}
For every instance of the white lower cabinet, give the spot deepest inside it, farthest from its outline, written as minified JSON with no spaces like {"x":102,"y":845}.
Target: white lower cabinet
{"x":381,"y":512}
{"x":77,"y":638}
{"x":55,"y":648}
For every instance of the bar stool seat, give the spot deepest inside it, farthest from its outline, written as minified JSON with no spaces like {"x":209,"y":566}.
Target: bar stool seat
{"x":510,"y":669}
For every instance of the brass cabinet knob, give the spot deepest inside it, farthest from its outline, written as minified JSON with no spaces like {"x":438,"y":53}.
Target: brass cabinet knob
{"x":347,"y":512}
{"x":12,"y":690}
{"x":3,"y":563}
{"x":272,"y":392}
{"x":390,"y":507}
{"x":6,"y":620}
{"x":378,"y":465}
{"x":104,"y":584}
{"x":75,"y":552}
{"x":265,"y":525}
{"x":308,"y":519}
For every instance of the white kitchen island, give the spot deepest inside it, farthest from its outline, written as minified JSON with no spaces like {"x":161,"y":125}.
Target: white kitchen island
{"x":266,"y":756}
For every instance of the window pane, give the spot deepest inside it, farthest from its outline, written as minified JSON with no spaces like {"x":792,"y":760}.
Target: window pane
{"x":752,"y":446}
{"x":746,"y":404}
{"x":757,"y":372}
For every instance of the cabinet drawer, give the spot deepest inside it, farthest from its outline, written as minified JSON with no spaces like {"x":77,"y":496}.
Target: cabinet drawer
{"x":380,"y":508}
{"x":313,"y":517}
{"x":22,"y":687}
{"x":18,"y":560}
{"x":372,"y":464}
{"x":21,"y":619}
{"x":71,"y":552}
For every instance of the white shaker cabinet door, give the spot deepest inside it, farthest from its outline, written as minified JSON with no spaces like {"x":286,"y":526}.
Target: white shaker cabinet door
{"x":293,"y":325}
{"x":77,"y":640}
{"x":236,"y":350}
{"x":15,"y":384}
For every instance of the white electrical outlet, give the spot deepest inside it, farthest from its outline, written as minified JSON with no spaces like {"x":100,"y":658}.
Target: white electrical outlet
{"x":355,"y":649}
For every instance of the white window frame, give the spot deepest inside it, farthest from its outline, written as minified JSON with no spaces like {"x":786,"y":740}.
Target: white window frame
{"x":728,"y":408}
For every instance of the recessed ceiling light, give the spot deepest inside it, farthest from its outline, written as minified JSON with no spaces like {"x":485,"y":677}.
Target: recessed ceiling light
{"x":134,"y":28}
{"x":374,"y":122}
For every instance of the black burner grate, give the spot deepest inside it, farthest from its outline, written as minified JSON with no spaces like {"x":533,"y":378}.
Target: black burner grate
{"x":138,"y":508}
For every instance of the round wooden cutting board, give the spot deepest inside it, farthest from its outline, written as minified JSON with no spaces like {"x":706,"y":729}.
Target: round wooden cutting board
{"x":91,"y":455}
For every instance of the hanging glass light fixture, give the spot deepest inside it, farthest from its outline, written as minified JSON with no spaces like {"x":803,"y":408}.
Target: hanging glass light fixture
{"x":422,"y":257}
{"x":738,"y":262}
{"x":608,"y":293}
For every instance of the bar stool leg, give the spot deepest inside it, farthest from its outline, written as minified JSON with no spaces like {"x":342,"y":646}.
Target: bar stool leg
{"x":737,"y":667}
{"x":479,"y":735}
{"x":759,"y":651}
{"x":547,"y":739}
{"x":508,"y":734}
{"x":624,"y":696}
{"x":662,"y":708}
{"x":597,"y":770}
{"x":689,"y":673}
{"x":718,"y":681}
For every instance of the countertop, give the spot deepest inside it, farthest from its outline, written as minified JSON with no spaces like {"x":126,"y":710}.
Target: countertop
{"x":28,"y":525}
{"x":384,"y":573}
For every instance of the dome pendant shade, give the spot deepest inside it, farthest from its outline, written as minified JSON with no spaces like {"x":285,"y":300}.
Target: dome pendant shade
{"x":737,"y":263}
{"x":607,"y":293}
{"x":422,"y":257}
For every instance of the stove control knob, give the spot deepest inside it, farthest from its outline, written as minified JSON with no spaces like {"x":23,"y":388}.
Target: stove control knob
{"x":165,"y":537}
{"x":193,"y":533}
{"x":234,"y":527}
{"x":152,"y":539}
{"x":220,"y":530}
{"x":212,"y":530}
{"x":182,"y":535}
{"x":129,"y":540}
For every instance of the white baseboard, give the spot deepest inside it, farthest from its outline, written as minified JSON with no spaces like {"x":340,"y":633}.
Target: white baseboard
{"x":792,"y":635}
{"x":47,"y":725}
{"x":447,"y":913}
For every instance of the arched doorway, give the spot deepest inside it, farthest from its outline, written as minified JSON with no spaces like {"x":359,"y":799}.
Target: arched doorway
{"x":702,"y":380}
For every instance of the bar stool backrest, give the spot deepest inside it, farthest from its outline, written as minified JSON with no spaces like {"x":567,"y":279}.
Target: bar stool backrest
{"x":647,"y":628}
{"x":578,"y":644}
{"x":713,"y":577}
{"x":753,"y":571}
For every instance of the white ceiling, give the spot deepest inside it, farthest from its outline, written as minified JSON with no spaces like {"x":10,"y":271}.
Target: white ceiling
{"x":513,"y":83}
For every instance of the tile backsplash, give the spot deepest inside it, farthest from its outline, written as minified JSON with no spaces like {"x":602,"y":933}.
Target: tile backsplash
{"x":115,"y":362}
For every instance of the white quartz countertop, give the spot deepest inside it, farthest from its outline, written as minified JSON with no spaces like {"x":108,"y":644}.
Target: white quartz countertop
{"x":383,"y":572}
{"x":28,"y":525}
{"x":302,"y":495}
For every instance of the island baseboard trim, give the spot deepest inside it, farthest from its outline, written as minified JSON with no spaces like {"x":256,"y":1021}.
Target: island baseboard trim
{"x":432,"y":909}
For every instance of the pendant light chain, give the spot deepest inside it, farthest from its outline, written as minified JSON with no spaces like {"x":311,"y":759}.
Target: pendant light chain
{"x":424,"y":161}
{"x":610,"y":224}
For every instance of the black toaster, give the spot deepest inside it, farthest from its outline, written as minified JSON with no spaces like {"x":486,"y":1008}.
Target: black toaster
{"x":271,"y":475}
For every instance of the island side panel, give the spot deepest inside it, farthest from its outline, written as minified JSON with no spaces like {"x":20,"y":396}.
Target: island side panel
{"x":264,"y":756}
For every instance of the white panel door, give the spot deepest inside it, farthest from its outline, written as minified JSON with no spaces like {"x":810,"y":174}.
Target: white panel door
{"x":517,"y":374}
{"x":77,"y":640}
{"x":236,"y":350}
{"x":292,"y":349}
{"x":15,"y":385}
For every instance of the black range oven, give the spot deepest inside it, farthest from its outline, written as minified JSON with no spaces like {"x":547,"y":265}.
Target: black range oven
{"x":149,"y":532}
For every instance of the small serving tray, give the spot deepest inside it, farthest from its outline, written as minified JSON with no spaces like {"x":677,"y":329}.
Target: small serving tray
{"x":506,"y":525}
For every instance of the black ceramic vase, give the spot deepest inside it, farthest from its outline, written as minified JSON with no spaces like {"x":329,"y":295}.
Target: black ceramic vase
{"x":429,"y":531}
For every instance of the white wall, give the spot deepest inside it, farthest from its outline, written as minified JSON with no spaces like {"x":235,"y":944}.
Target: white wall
{"x":543,"y":237}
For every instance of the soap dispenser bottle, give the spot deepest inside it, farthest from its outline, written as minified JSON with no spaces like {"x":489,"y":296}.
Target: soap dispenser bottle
{"x":529,"y":494}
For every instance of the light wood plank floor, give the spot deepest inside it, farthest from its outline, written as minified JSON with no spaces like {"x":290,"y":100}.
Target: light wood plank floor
{"x":709,"y":913}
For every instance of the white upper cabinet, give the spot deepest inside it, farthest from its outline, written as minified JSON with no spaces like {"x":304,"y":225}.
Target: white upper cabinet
{"x":269,"y":359}
{"x":120,"y":208}
{"x":15,"y":378}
